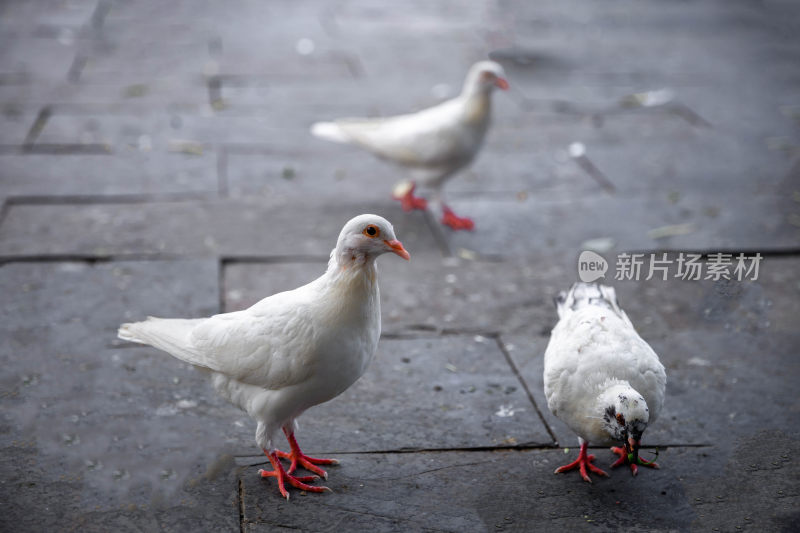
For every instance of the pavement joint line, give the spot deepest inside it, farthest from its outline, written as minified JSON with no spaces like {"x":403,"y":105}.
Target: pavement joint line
{"x":76,"y":68}
{"x":688,"y":114}
{"x":327,"y":20}
{"x":524,"y":384}
{"x":100,"y":13}
{"x":4,"y":208}
{"x":229,"y":260}
{"x":59,"y":149}
{"x":240,"y":500}
{"x":214,"y":85}
{"x":595,"y":173}
{"x":93,"y":259}
{"x":412,"y":331}
{"x":251,"y":460}
{"x":38,"y":125}
{"x":353,"y":63}
{"x":111,"y":199}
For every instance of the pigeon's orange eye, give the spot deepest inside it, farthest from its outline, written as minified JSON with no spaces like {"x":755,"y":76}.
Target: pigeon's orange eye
{"x":371,"y":231}
{"x":620,"y":419}
{"x":486,"y":75}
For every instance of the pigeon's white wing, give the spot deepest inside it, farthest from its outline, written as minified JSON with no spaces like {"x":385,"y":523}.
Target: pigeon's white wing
{"x":270,"y":345}
{"x":430,"y":138}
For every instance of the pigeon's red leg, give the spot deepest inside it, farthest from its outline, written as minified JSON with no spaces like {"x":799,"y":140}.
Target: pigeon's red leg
{"x":582,"y":463}
{"x":283,"y":477}
{"x":409,"y":202}
{"x":623,"y":460}
{"x":456,"y":222}
{"x":297,"y":457}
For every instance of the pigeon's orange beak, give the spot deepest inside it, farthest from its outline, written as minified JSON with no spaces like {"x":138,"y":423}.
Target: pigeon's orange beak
{"x":502,"y":83}
{"x":397,"y":247}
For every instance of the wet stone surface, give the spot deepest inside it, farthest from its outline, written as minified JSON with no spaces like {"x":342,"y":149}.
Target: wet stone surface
{"x":156,"y":159}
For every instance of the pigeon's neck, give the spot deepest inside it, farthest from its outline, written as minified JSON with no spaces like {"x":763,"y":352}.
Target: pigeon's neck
{"x":352,"y":268}
{"x":477,"y":105}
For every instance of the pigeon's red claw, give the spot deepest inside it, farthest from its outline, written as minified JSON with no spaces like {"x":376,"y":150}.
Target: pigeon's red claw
{"x":456,"y":222}
{"x":623,"y":460}
{"x":297,"y":457}
{"x":582,"y":463}
{"x":409,"y":202}
{"x":283,"y":477}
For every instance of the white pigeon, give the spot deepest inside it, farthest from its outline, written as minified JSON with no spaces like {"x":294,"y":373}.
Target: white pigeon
{"x":600,"y":377}
{"x":433,"y":144}
{"x":292,"y":350}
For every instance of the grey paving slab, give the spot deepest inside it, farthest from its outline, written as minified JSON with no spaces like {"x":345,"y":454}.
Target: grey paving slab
{"x":714,"y":222}
{"x":125,"y":438}
{"x":258,"y":227}
{"x":155,"y":173}
{"x":429,"y":393}
{"x":324,"y":99}
{"x":429,"y":293}
{"x":725,"y":347}
{"x":173,"y":130}
{"x":551,"y":130}
{"x":316,"y":172}
{"x":517,"y":491}
{"x":108,"y":435}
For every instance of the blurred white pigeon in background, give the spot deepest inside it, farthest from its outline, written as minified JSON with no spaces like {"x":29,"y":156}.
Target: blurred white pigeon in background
{"x":600,"y":377}
{"x":292,"y":350}
{"x":434,"y":143}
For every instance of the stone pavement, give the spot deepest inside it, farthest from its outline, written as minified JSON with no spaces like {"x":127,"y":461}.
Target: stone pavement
{"x":155,"y":159}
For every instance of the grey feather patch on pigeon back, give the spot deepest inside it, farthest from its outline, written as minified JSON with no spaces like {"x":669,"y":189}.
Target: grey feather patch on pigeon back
{"x":583,"y":294}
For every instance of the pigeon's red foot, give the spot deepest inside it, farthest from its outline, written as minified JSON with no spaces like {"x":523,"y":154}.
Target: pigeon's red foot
{"x":456,"y":222}
{"x":408,"y":201}
{"x":297,"y":457}
{"x":582,"y":463}
{"x":627,"y":459}
{"x":283,"y":477}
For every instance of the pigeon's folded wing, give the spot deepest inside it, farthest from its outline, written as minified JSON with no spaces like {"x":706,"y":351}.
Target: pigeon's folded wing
{"x":272,"y":348}
{"x":428,"y":138}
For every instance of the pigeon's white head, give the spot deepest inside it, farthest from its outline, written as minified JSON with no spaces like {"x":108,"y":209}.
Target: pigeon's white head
{"x":364,"y":238}
{"x":625,"y":415}
{"x":484,"y":76}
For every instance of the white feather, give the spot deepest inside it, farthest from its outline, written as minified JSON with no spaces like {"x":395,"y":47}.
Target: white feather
{"x":329,"y":131}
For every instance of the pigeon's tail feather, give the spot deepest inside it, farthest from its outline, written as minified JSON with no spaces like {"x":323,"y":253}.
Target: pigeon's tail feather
{"x":169,"y":334}
{"x":585,"y":294}
{"x":329,"y":131}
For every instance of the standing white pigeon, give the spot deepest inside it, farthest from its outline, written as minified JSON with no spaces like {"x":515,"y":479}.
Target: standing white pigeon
{"x":292,"y":350}
{"x":434,"y":143}
{"x":600,"y":377}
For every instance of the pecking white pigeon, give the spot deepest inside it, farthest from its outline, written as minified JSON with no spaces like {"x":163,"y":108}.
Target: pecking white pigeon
{"x":292,"y":350}
{"x":600,"y":377}
{"x":433,"y":144}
